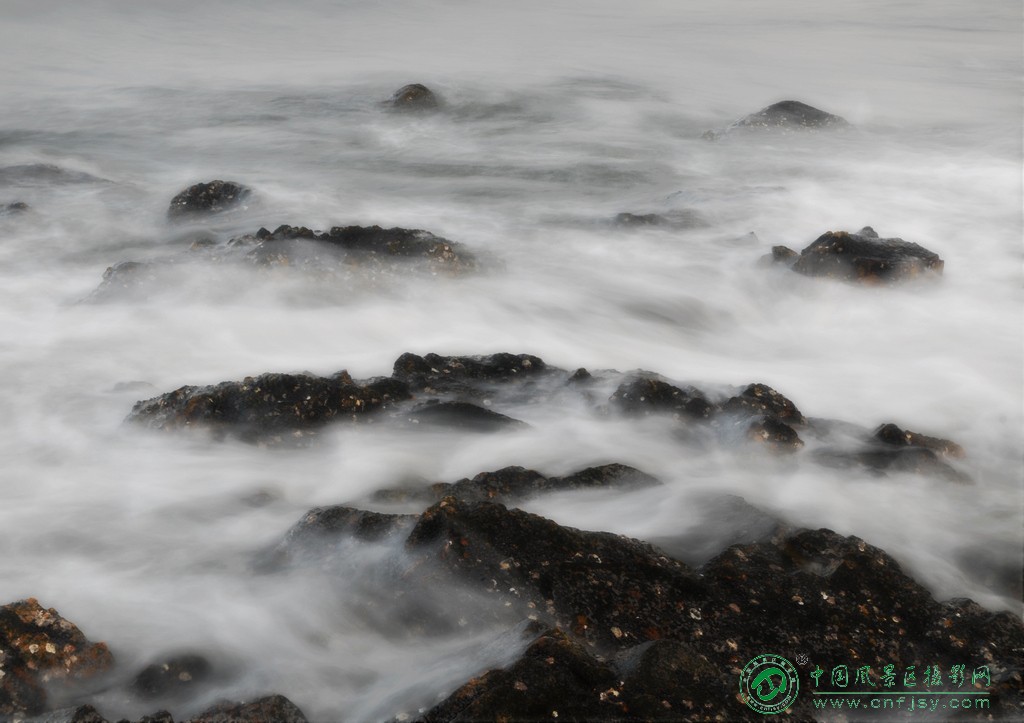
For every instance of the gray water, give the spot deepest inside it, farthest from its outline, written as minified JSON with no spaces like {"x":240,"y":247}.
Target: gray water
{"x":557,"y":118}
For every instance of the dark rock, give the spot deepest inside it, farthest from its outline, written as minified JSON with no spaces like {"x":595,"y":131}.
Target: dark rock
{"x":462,"y":373}
{"x":13,"y":209}
{"x":789,"y":115}
{"x":126,"y":279}
{"x":891,"y":434}
{"x":266,"y":407}
{"x":784,"y":255}
{"x":177,"y":676}
{"x":515,"y":483}
{"x":161,"y":716}
{"x":580,"y":376}
{"x":759,"y":399}
{"x":415,"y":98}
{"x":556,"y":678}
{"x":208,"y":198}
{"x":355,"y":244}
{"x":646,"y":395}
{"x":881,"y":458}
{"x":38,"y":647}
{"x":596,"y":584}
{"x":774,"y":434}
{"x":463,"y":416}
{"x":271,"y":709}
{"x":79,"y":714}
{"x":866,"y":259}
{"x":320,"y":529}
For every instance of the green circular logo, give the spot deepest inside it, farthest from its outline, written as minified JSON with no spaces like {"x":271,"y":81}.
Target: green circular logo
{"x":769,"y":684}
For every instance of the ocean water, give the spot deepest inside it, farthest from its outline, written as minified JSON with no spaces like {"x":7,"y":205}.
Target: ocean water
{"x":556,"y":119}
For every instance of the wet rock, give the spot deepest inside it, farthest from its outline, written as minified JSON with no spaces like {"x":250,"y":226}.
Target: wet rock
{"x":866,"y":259}
{"x":515,"y":483}
{"x":271,"y":709}
{"x":355,"y":244}
{"x":175,"y":676}
{"x":322,"y":528}
{"x":462,"y":416}
{"x":596,"y":584}
{"x":208,"y":198}
{"x":78,"y":714}
{"x":555,"y":679}
{"x":161,"y":716}
{"x":783,"y":255}
{"x":433,"y":372}
{"x":414,"y":98}
{"x":881,"y":459}
{"x":580,"y":376}
{"x":39,"y":647}
{"x":645,"y":395}
{"x":774,"y":434}
{"x":127,"y":279}
{"x":786,"y":115}
{"x":891,"y":434}
{"x":270,"y":407}
{"x":758,"y":399}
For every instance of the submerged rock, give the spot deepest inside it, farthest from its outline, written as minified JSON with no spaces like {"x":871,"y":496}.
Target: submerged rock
{"x":786,"y":115}
{"x":864,"y":258}
{"x":14,"y":209}
{"x":414,"y":98}
{"x":175,"y":676}
{"x":674,"y":220}
{"x":207,"y":199}
{"x":38,"y":648}
{"x":270,"y":709}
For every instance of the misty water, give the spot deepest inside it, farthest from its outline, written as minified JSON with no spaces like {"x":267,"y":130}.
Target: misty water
{"x":555,"y":120}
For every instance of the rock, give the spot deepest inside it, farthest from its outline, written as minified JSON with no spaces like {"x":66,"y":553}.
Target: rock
{"x":354,"y":244}
{"x":786,"y":115}
{"x":883,"y":458}
{"x":783,"y":255}
{"x":555,"y":679}
{"x":761,"y":399}
{"x":322,"y":528}
{"x":131,"y":279}
{"x":174,"y":676}
{"x":33,"y":174}
{"x":271,"y":709}
{"x":891,"y":434}
{"x":465,"y":373}
{"x":38,"y":647}
{"x":414,"y":98}
{"x":78,"y":714}
{"x":866,"y":259}
{"x":774,"y":434}
{"x":207,"y":199}
{"x":645,"y":395}
{"x":269,"y":407}
{"x":516,"y":483}
{"x":596,"y":584}
{"x":161,"y":716}
{"x":462,"y":416}
{"x":674,"y":220}
{"x":580,"y":376}
{"x":13,"y":209}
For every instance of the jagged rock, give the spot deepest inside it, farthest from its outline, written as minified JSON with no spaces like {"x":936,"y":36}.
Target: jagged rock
{"x":786,"y":115}
{"x":39,"y":647}
{"x":414,"y":97}
{"x":596,"y":584}
{"x":774,"y":434}
{"x":644,"y":395}
{"x":462,"y":416}
{"x":759,"y":399}
{"x":271,"y":709}
{"x":270,"y":405}
{"x":208,"y":198}
{"x":465,"y":374}
{"x":891,"y":434}
{"x":289,"y":245}
{"x":174,"y":676}
{"x":866,"y":259}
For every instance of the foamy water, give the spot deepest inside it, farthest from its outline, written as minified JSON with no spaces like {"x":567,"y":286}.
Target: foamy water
{"x":556,"y":120}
